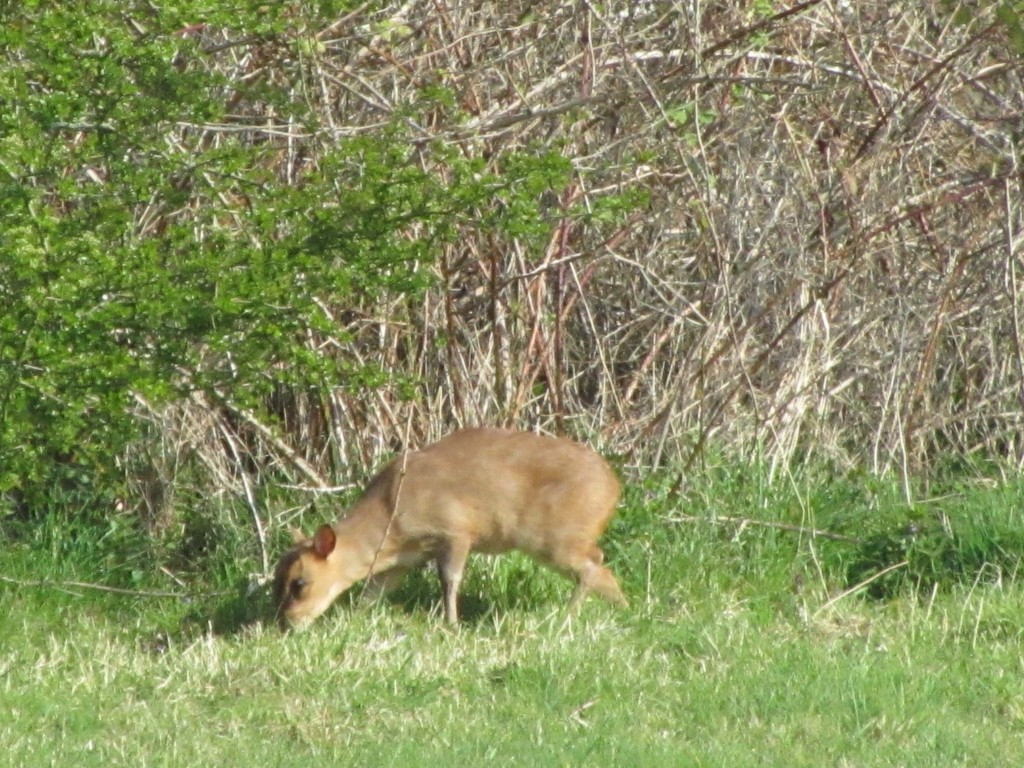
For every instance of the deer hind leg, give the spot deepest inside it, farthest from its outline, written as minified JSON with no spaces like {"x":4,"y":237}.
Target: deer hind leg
{"x":592,"y":576}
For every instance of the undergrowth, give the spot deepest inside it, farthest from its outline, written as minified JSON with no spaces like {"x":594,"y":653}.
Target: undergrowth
{"x":728,"y":526}
{"x":746,"y":642}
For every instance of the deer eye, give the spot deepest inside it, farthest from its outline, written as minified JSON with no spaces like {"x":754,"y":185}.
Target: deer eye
{"x":297,"y":586}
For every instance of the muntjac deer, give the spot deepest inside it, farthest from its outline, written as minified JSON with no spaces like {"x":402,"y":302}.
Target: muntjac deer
{"x":476,"y":490}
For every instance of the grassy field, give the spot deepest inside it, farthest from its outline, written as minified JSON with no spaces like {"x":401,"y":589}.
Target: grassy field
{"x":740,"y":648}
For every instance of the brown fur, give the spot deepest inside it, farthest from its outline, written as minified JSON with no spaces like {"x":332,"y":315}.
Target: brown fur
{"x":482,"y":490}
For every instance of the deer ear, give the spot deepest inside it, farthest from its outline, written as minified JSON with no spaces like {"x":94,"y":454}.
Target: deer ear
{"x":298,"y":537}
{"x":324,"y":540}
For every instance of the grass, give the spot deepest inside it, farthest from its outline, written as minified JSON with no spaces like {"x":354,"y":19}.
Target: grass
{"x":734,"y":652}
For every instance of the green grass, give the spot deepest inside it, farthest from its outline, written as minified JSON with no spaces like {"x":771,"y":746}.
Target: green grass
{"x":734,"y":652}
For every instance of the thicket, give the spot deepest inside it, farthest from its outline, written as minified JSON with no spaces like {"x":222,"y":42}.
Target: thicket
{"x":273,"y":241}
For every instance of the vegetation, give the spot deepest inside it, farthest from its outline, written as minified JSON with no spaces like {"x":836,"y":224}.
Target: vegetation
{"x":275,"y":242}
{"x":743,"y":645}
{"x":765,"y":257}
